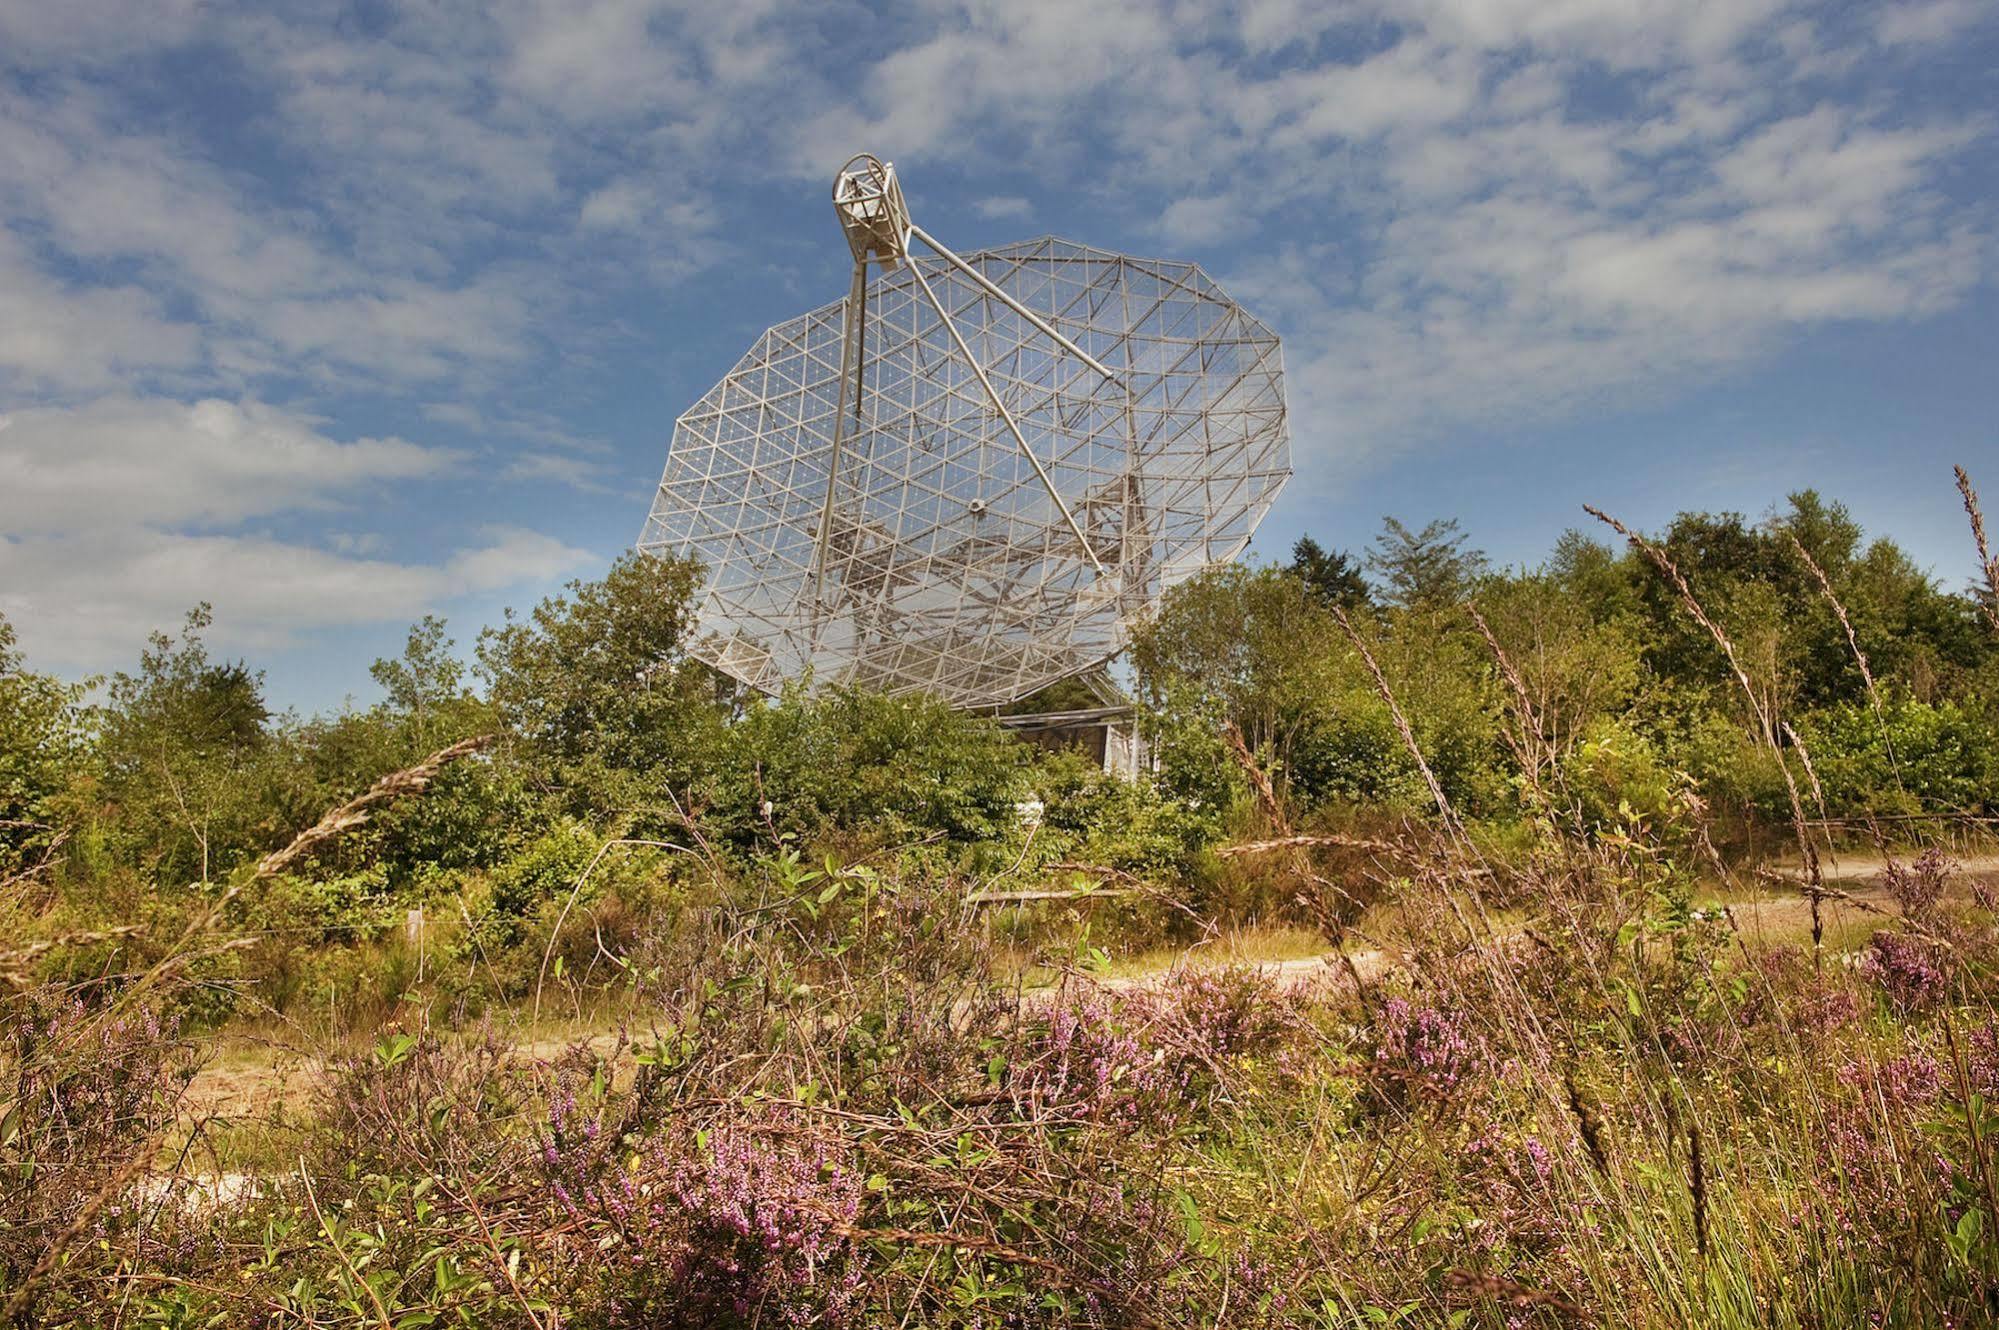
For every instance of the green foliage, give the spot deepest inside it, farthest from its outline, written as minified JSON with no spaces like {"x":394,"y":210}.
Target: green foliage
{"x":544,"y":869}
{"x":884,"y":770}
{"x":1239,"y":646}
{"x":1255,"y":650}
{"x":1442,"y":678}
{"x":426,"y":689}
{"x":1332,"y":576}
{"x":1351,"y":753}
{"x":1631,"y":720}
{"x":597,"y":692}
{"x":573,"y":897}
{"x":44,"y":751}
{"x":1428,"y":569}
{"x":1579,"y":659}
{"x":1607,"y":658}
{"x":1072,"y":694}
{"x":180,"y":740}
{"x":1917,"y":757}
{"x":1093,"y":816}
{"x":1621,"y":783}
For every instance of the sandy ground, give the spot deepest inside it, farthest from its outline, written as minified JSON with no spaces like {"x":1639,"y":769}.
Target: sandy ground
{"x":1864,"y":867}
{"x":257,"y":1080}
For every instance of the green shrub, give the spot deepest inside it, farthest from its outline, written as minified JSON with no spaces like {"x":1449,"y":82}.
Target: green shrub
{"x":1917,"y":757}
{"x":885,"y":770}
{"x":1620,"y":781}
{"x":1091,"y":815}
{"x":546,"y":868}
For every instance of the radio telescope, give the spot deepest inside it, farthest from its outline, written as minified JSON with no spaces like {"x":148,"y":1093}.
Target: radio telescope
{"x":971,"y":475}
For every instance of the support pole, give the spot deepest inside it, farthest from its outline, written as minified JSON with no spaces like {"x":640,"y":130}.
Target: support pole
{"x":1004,"y":414}
{"x":853,"y":328}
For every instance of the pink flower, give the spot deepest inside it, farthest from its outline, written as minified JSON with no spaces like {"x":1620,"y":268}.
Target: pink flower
{"x":1909,"y":969}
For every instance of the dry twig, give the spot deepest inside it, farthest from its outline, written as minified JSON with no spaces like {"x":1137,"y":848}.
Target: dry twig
{"x":356,"y":811}
{"x":1989,"y":602}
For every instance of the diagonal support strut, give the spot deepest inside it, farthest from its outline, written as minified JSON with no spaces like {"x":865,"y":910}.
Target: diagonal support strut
{"x":993,"y":396}
{"x":987,"y":285}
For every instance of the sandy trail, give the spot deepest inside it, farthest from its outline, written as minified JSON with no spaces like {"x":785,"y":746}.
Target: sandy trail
{"x":1865,"y":866}
{"x":256,"y":1082}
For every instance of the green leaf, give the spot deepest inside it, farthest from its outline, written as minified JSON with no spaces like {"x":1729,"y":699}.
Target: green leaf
{"x":1190,"y":1218}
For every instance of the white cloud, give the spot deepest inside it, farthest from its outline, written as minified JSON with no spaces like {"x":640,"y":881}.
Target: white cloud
{"x":405,"y":331}
{"x":61,"y":338}
{"x":597,"y":57}
{"x":35,"y":31}
{"x":116,"y":519}
{"x":581,"y":473}
{"x":270,"y":297}
{"x":100,"y":195}
{"x":120,"y":462}
{"x":1198,"y":220}
{"x":1002,"y":206}
{"x":1412,"y":86}
{"x":1927,"y":22}
{"x":1621,"y":33}
{"x":647,"y":206}
{"x":85,"y":602}
{"x":1027,"y":66}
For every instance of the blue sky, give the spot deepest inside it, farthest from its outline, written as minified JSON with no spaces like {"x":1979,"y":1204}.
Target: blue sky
{"x":338,"y":315}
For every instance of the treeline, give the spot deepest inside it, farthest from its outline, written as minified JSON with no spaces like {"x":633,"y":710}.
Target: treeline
{"x":1881,"y":685}
{"x":1266,"y":691}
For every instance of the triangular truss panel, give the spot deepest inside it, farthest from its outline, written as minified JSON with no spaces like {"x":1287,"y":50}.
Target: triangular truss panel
{"x":971,"y":475}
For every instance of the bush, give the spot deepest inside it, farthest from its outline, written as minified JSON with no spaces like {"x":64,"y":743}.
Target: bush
{"x":595,"y":688}
{"x":882,"y":770}
{"x":1621,"y":782}
{"x":1090,"y":814}
{"x":1350,"y":753}
{"x":1917,"y":757}
{"x":44,"y":754}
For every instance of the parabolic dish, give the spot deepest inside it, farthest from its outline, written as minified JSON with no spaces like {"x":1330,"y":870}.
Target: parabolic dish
{"x":928,"y":550}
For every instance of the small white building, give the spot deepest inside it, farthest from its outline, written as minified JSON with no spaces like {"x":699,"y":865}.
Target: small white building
{"x":1107,"y":732}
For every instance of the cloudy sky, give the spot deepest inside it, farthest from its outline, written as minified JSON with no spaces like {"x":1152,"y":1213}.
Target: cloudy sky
{"x":335,"y":315}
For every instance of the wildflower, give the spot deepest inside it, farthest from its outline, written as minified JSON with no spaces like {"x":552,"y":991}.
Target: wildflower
{"x":1420,"y":1050}
{"x":1918,"y":887}
{"x":1909,"y":969}
{"x":1903,"y":1084}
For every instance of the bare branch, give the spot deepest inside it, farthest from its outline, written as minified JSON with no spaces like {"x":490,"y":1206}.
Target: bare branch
{"x":356,"y":811}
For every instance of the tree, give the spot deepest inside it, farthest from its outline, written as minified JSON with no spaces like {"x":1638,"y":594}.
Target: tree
{"x":44,"y":745}
{"x":1429,"y":569}
{"x":1577,"y":664}
{"x":597,"y":690}
{"x":1235,"y":647}
{"x":427,"y":697}
{"x":891,"y":770}
{"x":426,"y":674}
{"x":180,"y":737}
{"x":1604,"y":580}
{"x":1242,"y":646}
{"x":1333,"y":576}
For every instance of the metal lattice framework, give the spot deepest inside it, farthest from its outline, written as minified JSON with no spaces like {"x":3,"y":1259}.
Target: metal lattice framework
{"x":969,"y":477}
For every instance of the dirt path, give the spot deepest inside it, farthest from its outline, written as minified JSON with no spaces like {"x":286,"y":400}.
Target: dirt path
{"x":1864,"y":866}
{"x":255,"y":1081}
